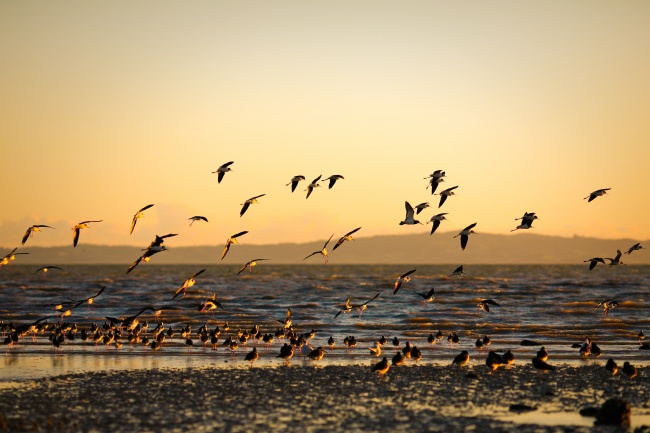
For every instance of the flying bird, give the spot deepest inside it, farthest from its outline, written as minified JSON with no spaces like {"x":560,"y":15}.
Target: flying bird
{"x":333,"y":180}
{"x":446,"y":193}
{"x":419,"y":208}
{"x":596,"y":193}
{"x":526,"y":221}
{"x":33,"y":229}
{"x":362,"y":307}
{"x":231,"y":240}
{"x":250,"y":265}
{"x":346,"y":237}
{"x":635,"y":247}
{"x":10,"y":257}
{"x":410,"y":214}
{"x":145,"y":257}
{"x":435,"y":179}
{"x":314,"y":184}
{"x":138,"y":214}
{"x":322,"y":252}
{"x":187,"y":284}
{"x":249,"y":202}
{"x":347,"y":308}
{"x":485,"y":305}
{"x":404,"y":278}
{"x":464,"y":235}
{"x":426,"y":297}
{"x":287,"y":320}
{"x":223,"y":170}
{"x":158,"y":244}
{"x":294,"y":182}
{"x":210,"y":304}
{"x":91,"y":299}
{"x":197,"y":218}
{"x":45,"y":269}
{"x":436,"y":219}
{"x":608,"y":304}
{"x":594,"y":261}
{"x":76,"y":229}
{"x":616,"y":260}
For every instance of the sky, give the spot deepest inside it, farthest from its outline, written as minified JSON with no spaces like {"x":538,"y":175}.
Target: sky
{"x":528,"y":107}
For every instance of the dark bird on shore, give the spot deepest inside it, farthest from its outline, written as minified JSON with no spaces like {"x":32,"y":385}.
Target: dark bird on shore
{"x":196,"y":218}
{"x":420,"y":207}
{"x":457,"y":271}
{"x":249,"y":202}
{"x":250,"y":265}
{"x":231,"y":240}
{"x":45,"y":269}
{"x":395,"y":342}
{"x":76,"y":229}
{"x":402,"y":279}
{"x":542,"y":354}
{"x":138,"y":214}
{"x":509,"y":357}
{"x":446,"y":193}
{"x":314,"y":184}
{"x":416,"y":354}
{"x":616,"y":260}
{"x":464,"y":235}
{"x":461,"y":359}
{"x":596,"y":193}
{"x":596,"y":351}
{"x":409,"y":219}
{"x":223,"y":170}
{"x":494,"y":360}
{"x":431,"y":339}
{"x":611,"y":366}
{"x":36,"y":228}
{"x":641,"y":336}
{"x":294,"y":182}
{"x":252,"y":356}
{"x":426,"y":297}
{"x":333,"y":178}
{"x":383,"y":341}
{"x":346,"y":237}
{"x":635,"y":247}
{"x":398,"y":359}
{"x":323,"y":251}
{"x":331,"y":342}
{"x":128,"y":323}
{"x":382,"y":367}
{"x":486,"y":341}
{"x":187,"y":284}
{"x":436,"y":219}
{"x":594,"y":261}
{"x":608,"y":305}
{"x":286,"y":352}
{"x":484,"y":305}
{"x":541,"y":365}
{"x":439,"y":335}
{"x":479,"y":344}
{"x":316,"y":354}
{"x":629,"y":369}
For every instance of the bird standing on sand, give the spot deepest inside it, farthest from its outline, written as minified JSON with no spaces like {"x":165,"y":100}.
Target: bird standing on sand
{"x":76,"y":229}
{"x":594,"y":261}
{"x":249,"y":202}
{"x":187,"y":284}
{"x":223,"y":170}
{"x":409,"y":219}
{"x":316,"y":354}
{"x":611,"y":366}
{"x":382,"y":367}
{"x":635,"y":247}
{"x":629,"y":369}
{"x":404,"y":278}
{"x":446,"y":193}
{"x":294,"y":182}
{"x":461,"y":359}
{"x":196,"y":218}
{"x":36,"y":228}
{"x":138,"y":214}
{"x":252,"y":356}
{"x":464,"y":235}
{"x":542,"y":354}
{"x":314,"y":184}
{"x":596,"y":193}
{"x":376,"y":351}
{"x":286,"y":352}
{"x":541,"y":365}
{"x":323,"y":251}
{"x":250,"y":265}
{"x":231,"y":240}
{"x":346,"y":237}
{"x":436,"y":219}
{"x":333,"y":178}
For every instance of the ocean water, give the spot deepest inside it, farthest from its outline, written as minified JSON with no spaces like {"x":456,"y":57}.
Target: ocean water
{"x":552,"y":305}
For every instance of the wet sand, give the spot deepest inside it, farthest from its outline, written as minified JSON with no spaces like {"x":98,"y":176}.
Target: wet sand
{"x":304,"y":398}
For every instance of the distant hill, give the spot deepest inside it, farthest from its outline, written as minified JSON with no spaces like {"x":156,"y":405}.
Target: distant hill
{"x":441,"y":248}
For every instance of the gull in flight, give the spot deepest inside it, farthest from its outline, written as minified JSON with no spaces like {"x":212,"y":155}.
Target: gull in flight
{"x":435,"y":178}
{"x":145,"y":257}
{"x":409,"y":219}
{"x":457,"y":271}
{"x":464,"y":235}
{"x":635,"y":247}
{"x":426,"y":297}
{"x":187,"y":284}
{"x":210,"y":304}
{"x":484,"y":305}
{"x":363,"y":307}
{"x":10,"y":257}
{"x":76,"y":229}
{"x":231,"y":240}
{"x":333,"y":180}
{"x":314,"y":184}
{"x":404,"y":278}
{"x":45,"y":269}
{"x":446,"y":193}
{"x":322,"y":252}
{"x":223,"y":170}
{"x":596,"y":193}
{"x":249,"y":202}
{"x":197,"y":218}
{"x":419,"y":208}
{"x":608,"y":304}
{"x":594,"y":261}
{"x":250,"y":265}
{"x":294,"y":182}
{"x":33,"y":229}
{"x":138,"y":214}
{"x":616,"y":260}
{"x":158,"y":244}
{"x":526,"y":221}
{"x":436,"y":219}
{"x":346,"y":237}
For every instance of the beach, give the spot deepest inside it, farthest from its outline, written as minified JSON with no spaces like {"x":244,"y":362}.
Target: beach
{"x":311,"y":398}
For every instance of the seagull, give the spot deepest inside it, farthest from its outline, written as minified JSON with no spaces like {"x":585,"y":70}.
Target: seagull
{"x":210,"y":304}
{"x":594,"y":261}
{"x":436,"y":221}
{"x":36,"y":228}
{"x":231,"y":240}
{"x":76,"y":229}
{"x":45,"y":269}
{"x":294,"y":182}
{"x":426,"y":297}
{"x":197,"y":218}
{"x":616,"y":260}
{"x":435,"y":178}
{"x":457,"y":271}
{"x":146,"y":257}
{"x":634,"y":247}
{"x":250,"y":265}
{"x":333,"y":180}
{"x":249,"y":202}
{"x":408,"y":219}
{"x":404,"y":278}
{"x":322,"y":252}
{"x":608,"y":304}
{"x":10,"y":257}
{"x":464,"y":235}
{"x":446,"y":193}
{"x":526,"y":221}
{"x":187,"y":284}
{"x":484,"y":305}
{"x":314,"y":184}
{"x":223,"y":170}
{"x":346,"y":237}
{"x":419,"y":208}
{"x":596,"y":193}
{"x":137,"y":215}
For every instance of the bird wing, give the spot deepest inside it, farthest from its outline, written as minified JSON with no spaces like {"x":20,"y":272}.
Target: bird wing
{"x":198,"y":273}
{"x":367,"y":302}
{"x":397,"y":285}
{"x":180,"y":289}
{"x":75,"y":238}
{"x":98,"y":293}
{"x":470,"y":227}
{"x":258,"y":196}
{"x":134,"y":264}
{"x":356,"y":230}
{"x":436,"y":224}
{"x":243,"y":267}
{"x":239,"y":234}
{"x":463,"y":241}
{"x":408,"y":273}
{"x":592,"y":264}
{"x":317,"y":179}
{"x":27,"y":233}
{"x":294,"y":184}
{"x":244,"y":208}
{"x":133,"y":222}
{"x":94,"y":221}
{"x":340,"y":241}
{"x":145,"y":208}
{"x":328,"y":241}
{"x":220,"y":176}
{"x":490,"y":301}
{"x":443,"y":198}
{"x":226,"y":164}
{"x":225,"y":250}
{"x":315,"y":252}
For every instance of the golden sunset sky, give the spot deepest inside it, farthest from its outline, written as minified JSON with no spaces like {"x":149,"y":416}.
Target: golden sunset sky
{"x":528,"y":106}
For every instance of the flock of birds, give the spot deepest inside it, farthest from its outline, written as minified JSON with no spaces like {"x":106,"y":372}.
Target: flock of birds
{"x":115,"y":330}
